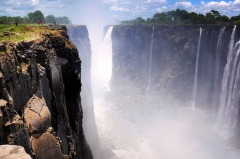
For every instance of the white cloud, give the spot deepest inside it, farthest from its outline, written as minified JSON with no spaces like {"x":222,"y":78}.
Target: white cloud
{"x":35,"y":2}
{"x":155,"y":1}
{"x":225,"y":8}
{"x":162,"y":9}
{"x":118,"y":1}
{"x":118,"y":9}
{"x":237,"y":3}
{"x":220,"y":4}
{"x":184,"y":5}
{"x":139,"y":8}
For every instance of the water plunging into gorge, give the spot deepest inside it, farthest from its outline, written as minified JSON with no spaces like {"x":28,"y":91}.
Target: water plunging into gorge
{"x":196,"y":70}
{"x":150,"y":62}
{"x":176,"y":63}
{"x":217,"y":78}
{"x":229,"y":99}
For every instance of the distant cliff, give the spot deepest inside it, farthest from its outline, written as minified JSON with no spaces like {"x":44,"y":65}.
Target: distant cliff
{"x":40,"y":106}
{"x":167,"y":53}
{"x":148,"y":59}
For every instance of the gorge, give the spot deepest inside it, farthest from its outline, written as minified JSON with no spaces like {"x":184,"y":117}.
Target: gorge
{"x":173,"y":93}
{"x":150,"y":91}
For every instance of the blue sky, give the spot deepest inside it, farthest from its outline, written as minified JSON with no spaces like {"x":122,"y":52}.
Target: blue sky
{"x":114,"y":10}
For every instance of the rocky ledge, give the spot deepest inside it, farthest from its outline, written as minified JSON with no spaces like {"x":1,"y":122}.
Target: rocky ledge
{"x":40,"y":106}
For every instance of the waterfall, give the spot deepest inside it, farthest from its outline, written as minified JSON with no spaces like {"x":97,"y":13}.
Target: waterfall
{"x":217,"y":65}
{"x":150,"y":63}
{"x":132,"y":125}
{"x":229,"y":98}
{"x":196,"y":70}
{"x":218,"y":51}
{"x":102,"y":64}
{"x":79,"y":36}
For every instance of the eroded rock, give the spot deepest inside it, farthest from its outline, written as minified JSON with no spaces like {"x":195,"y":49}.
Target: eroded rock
{"x":13,"y":152}
{"x":46,"y":146}
{"x":40,"y":90}
{"x":37,"y":116}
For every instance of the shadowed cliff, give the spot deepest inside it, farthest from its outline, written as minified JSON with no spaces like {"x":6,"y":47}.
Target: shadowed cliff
{"x":40,"y":83}
{"x":157,"y":59}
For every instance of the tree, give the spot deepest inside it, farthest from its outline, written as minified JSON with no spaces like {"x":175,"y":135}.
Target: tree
{"x":138,"y":20}
{"x":25,"y":19}
{"x":162,"y":17}
{"x":215,"y":14}
{"x":182,"y":16}
{"x":223,"y":19}
{"x":63,"y":20}
{"x":235,"y":18}
{"x":17,"y":19}
{"x":209,"y":18}
{"x":5,"y":20}
{"x":37,"y":15}
{"x":50,"y":19}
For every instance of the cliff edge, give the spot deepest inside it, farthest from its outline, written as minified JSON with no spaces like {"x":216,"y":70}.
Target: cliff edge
{"x":40,"y":84}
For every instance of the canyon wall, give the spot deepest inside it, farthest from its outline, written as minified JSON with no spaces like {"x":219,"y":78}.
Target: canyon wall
{"x":40,"y":104}
{"x":151,"y":59}
{"x":79,"y":36}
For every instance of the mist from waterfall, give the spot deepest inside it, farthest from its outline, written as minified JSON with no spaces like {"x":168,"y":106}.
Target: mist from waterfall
{"x":196,"y":70}
{"x":77,"y":35}
{"x":102,"y":64}
{"x":136,"y":126}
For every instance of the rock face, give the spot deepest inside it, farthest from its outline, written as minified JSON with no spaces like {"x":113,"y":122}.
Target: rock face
{"x":78,"y":34}
{"x":165,"y":53}
{"x":173,"y":58}
{"x":13,"y":152}
{"x":40,"y":106}
{"x":162,"y":58}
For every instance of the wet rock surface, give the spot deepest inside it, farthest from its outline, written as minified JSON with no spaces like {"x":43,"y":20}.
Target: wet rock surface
{"x":36,"y":111}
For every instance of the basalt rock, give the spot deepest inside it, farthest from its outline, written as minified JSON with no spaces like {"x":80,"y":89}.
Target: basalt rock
{"x":40,"y":106}
{"x":13,"y":152}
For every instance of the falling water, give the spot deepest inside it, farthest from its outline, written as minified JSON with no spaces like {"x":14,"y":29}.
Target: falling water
{"x":217,"y":65}
{"x":135,"y":126}
{"x":218,"y":51}
{"x":196,"y":70}
{"x":224,"y":91}
{"x":150,"y":63}
{"x":227,"y":117}
{"x":102,"y":65}
{"x":79,"y":36}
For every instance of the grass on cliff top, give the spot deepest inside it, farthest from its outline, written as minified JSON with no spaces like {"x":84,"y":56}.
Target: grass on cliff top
{"x":22,"y":32}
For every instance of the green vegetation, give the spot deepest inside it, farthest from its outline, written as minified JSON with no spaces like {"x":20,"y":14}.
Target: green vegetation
{"x":179,"y":17}
{"x":27,"y":32}
{"x":37,"y":15}
{"x":58,"y":20}
{"x":32,"y":18}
